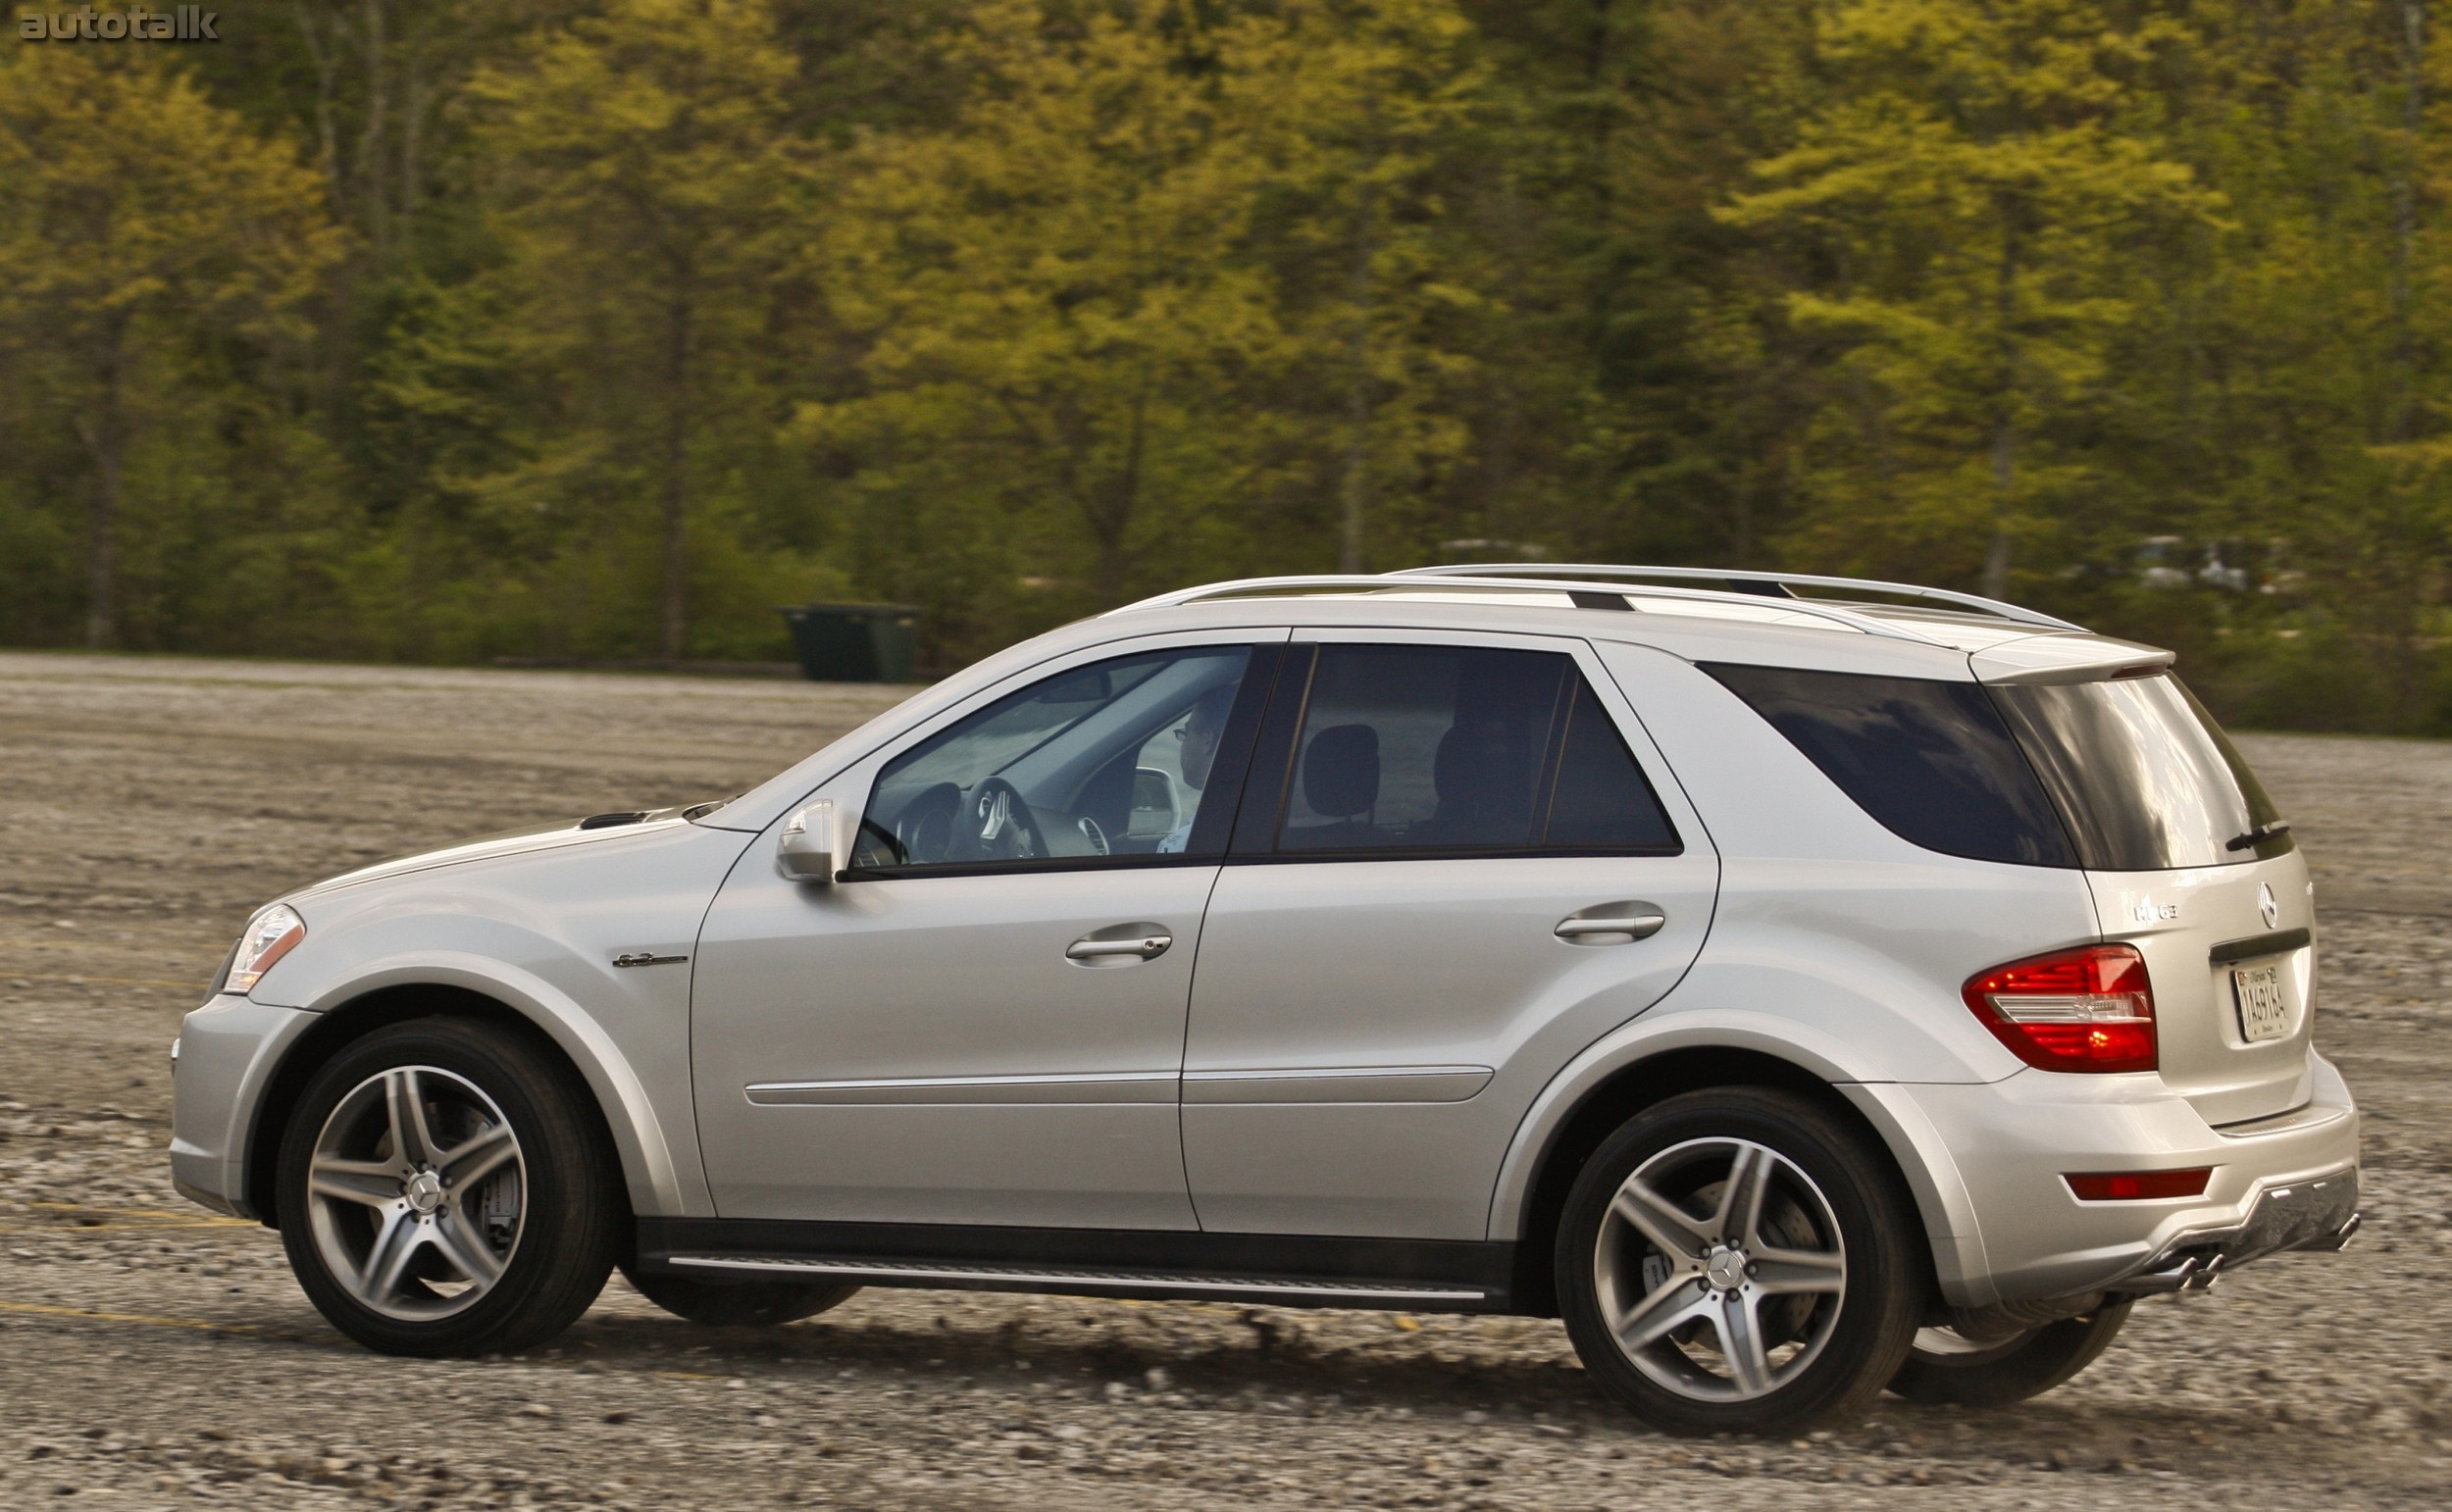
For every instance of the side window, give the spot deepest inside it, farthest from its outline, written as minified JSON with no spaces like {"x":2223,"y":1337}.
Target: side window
{"x":1456,"y":749}
{"x":1118,"y":759}
{"x":1932,"y":761}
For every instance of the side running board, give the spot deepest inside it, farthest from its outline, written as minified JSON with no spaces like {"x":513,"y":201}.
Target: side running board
{"x":1284,"y":1270}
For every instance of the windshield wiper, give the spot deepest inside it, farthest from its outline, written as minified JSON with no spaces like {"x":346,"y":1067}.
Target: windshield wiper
{"x":2258,"y":835}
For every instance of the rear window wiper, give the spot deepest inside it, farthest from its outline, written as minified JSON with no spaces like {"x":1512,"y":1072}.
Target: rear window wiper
{"x":2258,"y":835}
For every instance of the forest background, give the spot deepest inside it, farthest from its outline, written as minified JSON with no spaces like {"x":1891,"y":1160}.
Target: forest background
{"x":454,"y":330}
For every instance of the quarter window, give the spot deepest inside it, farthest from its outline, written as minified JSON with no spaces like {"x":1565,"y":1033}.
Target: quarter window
{"x":1457,"y":749}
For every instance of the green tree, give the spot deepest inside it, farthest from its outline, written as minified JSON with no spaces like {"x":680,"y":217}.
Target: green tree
{"x":138,"y":221}
{"x":1979,"y":180}
{"x":640,"y":182}
{"x":1060,"y":339}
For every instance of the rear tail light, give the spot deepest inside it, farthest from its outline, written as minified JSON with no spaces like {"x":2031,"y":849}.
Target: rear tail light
{"x":2139,"y":1186}
{"x":2086,"y":1009}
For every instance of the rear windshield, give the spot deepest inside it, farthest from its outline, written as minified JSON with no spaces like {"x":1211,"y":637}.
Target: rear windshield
{"x":1933,"y":761}
{"x":2145,"y":778}
{"x":2125,"y":775}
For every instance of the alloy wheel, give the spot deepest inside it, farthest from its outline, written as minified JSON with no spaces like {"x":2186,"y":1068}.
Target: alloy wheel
{"x":417,"y":1192}
{"x":1720,"y":1269}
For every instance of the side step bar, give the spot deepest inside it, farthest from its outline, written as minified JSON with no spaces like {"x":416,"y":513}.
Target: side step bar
{"x":1091,"y":1282}
{"x":1284,"y":1270}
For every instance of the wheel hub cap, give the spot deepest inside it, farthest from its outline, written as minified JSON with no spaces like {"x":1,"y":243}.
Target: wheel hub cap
{"x":1725,"y":1268}
{"x":425,"y":1193}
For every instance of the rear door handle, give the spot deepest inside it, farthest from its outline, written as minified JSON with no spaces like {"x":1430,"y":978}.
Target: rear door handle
{"x":1611,"y":929}
{"x":1146,"y":947}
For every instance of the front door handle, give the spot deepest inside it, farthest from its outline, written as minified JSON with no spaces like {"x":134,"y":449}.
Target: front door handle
{"x":1612,"y":925}
{"x":1143,"y":946}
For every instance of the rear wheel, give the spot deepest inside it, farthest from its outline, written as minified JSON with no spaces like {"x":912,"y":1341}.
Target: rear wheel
{"x":739,"y":1303}
{"x":1734,"y":1260}
{"x":444,"y":1191}
{"x":1944,"y":1367}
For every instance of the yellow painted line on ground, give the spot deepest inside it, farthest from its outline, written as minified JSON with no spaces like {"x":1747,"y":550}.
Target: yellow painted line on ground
{"x":123,"y":982}
{"x":207,"y":1219}
{"x":200,"y":1325}
{"x":48,"y":1310}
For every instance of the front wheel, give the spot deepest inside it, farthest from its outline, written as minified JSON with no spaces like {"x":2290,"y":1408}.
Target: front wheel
{"x":443,"y":1191}
{"x":1944,"y":1367}
{"x":1735,"y":1260}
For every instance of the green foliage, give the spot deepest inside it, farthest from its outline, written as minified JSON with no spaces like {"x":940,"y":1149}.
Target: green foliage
{"x":446,"y":329}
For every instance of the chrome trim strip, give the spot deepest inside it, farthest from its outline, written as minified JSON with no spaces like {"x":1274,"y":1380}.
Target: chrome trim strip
{"x":1100,"y":1087}
{"x":904,"y":1271}
{"x":1338,"y":1083}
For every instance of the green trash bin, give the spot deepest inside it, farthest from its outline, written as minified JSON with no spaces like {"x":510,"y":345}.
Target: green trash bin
{"x":855,"y":643}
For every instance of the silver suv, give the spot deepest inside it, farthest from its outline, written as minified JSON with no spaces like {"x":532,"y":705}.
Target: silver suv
{"x":1798,"y":986}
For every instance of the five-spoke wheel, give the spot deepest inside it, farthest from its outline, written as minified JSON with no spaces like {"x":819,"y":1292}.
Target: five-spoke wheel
{"x":415,"y":1192}
{"x":444,"y":1189}
{"x":1736,"y":1260}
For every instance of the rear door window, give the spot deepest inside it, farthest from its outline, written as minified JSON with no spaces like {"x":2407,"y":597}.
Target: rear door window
{"x":1445,"y":750}
{"x":1934,"y":761}
{"x":2144,"y":777}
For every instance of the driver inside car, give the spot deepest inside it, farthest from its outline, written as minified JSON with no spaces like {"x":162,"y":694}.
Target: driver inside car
{"x":1201,"y":728}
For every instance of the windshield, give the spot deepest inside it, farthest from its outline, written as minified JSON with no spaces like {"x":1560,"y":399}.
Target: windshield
{"x":2144,"y":778}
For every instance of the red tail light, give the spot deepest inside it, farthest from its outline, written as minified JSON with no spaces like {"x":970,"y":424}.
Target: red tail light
{"x":2139,"y":1186}
{"x":2086,"y":1009}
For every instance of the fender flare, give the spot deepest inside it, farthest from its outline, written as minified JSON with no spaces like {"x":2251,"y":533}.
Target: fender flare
{"x":657,"y":1181}
{"x":1923,"y":1159}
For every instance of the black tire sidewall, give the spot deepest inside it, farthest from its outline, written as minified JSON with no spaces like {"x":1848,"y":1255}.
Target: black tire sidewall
{"x":754,"y":1304}
{"x":570,"y":1196}
{"x":2046,"y":1358}
{"x":1879,"y":1309}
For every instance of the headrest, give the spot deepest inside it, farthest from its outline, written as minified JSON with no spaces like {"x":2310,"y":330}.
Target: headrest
{"x":1341,"y":770}
{"x":1466,"y":772}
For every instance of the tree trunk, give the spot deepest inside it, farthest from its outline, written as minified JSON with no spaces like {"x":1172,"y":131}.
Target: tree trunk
{"x":104,"y":430}
{"x":1998,"y":555}
{"x":1356,"y":501}
{"x":2402,"y":581}
{"x":2004,"y":464}
{"x":679,"y":376}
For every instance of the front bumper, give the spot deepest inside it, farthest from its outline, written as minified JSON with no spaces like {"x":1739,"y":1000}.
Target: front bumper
{"x":226,"y":1051}
{"x":2281,"y":1183}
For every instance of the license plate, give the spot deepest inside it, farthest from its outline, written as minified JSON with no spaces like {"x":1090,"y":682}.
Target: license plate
{"x":2262,"y":1013}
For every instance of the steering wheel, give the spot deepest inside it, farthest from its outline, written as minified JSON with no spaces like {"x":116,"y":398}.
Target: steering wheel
{"x":927,"y":828}
{"x":999,"y":826}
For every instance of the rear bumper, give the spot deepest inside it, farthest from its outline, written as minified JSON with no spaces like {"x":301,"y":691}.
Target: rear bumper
{"x":226,"y":1051}
{"x":2281,"y":1183}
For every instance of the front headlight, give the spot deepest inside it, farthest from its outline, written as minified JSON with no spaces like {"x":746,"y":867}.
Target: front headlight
{"x":270,"y":934}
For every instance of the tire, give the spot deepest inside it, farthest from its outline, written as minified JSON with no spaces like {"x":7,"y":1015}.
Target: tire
{"x":444,"y":1189}
{"x":1828,"y":1276}
{"x":740,"y":1304}
{"x":1944,"y":1369}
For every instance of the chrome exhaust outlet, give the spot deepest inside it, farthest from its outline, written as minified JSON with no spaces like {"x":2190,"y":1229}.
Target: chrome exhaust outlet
{"x":2163,"y":1282}
{"x":2339,"y":1240}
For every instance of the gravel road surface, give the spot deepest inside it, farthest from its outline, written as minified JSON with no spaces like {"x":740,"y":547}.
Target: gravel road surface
{"x":154,"y":1355}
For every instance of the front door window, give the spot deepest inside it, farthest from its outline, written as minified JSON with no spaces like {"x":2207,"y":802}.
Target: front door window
{"x":1117,"y":761}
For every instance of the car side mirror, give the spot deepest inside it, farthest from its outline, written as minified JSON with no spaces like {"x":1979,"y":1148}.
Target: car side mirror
{"x":810,"y":849}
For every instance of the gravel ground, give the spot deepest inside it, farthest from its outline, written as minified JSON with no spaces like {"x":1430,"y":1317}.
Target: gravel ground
{"x":153,"y":1353}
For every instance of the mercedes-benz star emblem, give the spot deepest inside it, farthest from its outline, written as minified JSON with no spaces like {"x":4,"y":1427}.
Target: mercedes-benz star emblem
{"x":2268,"y":905}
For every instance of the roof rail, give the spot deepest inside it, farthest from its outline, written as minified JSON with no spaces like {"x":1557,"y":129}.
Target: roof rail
{"x":1777,"y":581}
{"x":1447,"y":579}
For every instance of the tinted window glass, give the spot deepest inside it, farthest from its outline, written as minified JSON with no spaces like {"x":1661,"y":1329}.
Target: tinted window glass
{"x":1441,"y":749}
{"x":1933,"y":761}
{"x":2145,"y":777}
{"x":1602,"y":799}
{"x":1110,"y":760}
